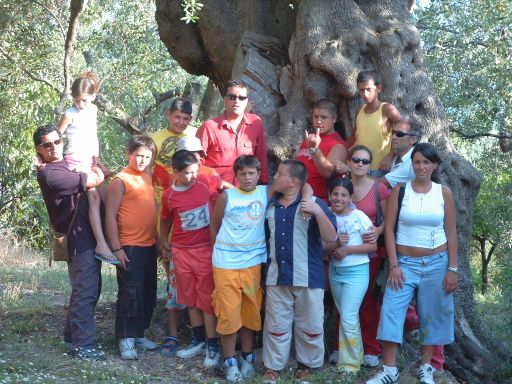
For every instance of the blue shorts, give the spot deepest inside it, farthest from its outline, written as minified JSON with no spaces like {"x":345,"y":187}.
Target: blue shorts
{"x":423,"y":275}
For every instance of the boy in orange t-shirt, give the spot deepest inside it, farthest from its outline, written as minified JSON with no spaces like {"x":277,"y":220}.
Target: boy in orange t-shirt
{"x":132,"y":238}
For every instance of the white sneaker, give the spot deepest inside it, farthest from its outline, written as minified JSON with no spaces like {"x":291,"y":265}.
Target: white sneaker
{"x":145,"y":343}
{"x":195,"y":348}
{"x":384,"y":377}
{"x":127,"y":349}
{"x":333,"y":359}
{"x":370,"y":361}
{"x":230,"y":366}
{"x":426,"y":374}
{"x":212,"y":358}
{"x":247,"y":366}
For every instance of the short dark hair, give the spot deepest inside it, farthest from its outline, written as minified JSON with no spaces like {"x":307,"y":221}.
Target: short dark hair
{"x":235,"y":84}
{"x":137,"y":141}
{"x":328,"y":105}
{"x":360,"y":147}
{"x":181,"y":104}
{"x":296,"y":169}
{"x":344,"y":182}
{"x":365,"y":76}
{"x":429,"y":151}
{"x":43,"y":131}
{"x":249,"y":161}
{"x":183,"y":159}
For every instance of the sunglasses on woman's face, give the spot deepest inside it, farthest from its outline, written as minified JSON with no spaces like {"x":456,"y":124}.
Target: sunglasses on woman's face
{"x":49,"y":144}
{"x":401,"y":134}
{"x":358,"y":160}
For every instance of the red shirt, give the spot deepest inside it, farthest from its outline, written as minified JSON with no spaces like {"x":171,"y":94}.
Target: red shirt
{"x":190,"y":211}
{"x":315,"y":179}
{"x":223,"y":145}
{"x":368,"y":204}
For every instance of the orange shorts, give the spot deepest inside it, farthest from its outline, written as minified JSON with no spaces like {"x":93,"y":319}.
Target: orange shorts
{"x":194,"y":277}
{"x":237,"y":299}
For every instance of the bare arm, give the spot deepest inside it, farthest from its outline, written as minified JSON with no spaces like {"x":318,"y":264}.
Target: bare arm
{"x":325,"y":164}
{"x":450,"y":227}
{"x":392,"y":115}
{"x":63,"y":123}
{"x":327,"y":229}
{"x":344,"y":251}
{"x":115,"y":195}
{"x":396,"y":277}
{"x":94,"y":178}
{"x":217,"y":216}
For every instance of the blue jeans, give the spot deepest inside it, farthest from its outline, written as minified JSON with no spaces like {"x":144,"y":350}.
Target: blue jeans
{"x":348,"y":287}
{"x":435,"y":307}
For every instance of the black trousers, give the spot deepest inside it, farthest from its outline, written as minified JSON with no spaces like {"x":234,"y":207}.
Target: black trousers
{"x":136,"y":296}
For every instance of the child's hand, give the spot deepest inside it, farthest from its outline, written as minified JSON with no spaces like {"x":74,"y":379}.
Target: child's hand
{"x":343,"y":238}
{"x":38,"y":163}
{"x":310,"y":207}
{"x":97,"y":163}
{"x":339,"y":253}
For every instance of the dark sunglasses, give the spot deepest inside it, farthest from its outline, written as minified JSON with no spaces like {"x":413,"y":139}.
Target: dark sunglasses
{"x":232,"y":97}
{"x":402,"y":134}
{"x":359,"y":160}
{"x":48,"y":144}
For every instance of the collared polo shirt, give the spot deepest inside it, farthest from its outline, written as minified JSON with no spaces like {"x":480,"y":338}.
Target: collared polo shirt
{"x":295,"y":245}
{"x":223,"y":144}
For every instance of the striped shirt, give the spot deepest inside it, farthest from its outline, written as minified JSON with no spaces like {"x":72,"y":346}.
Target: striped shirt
{"x":295,"y":246}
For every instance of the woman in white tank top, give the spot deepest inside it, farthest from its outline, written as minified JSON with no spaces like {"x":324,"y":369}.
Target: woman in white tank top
{"x":423,"y":261}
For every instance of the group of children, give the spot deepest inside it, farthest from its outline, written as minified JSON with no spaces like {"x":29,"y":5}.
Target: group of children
{"x":216,"y":244}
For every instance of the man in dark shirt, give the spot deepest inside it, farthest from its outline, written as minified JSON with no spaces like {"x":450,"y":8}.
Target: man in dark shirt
{"x":61,"y":189}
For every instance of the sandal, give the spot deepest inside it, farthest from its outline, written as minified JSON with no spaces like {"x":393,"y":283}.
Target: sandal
{"x":270,"y":377}
{"x":107,"y":258}
{"x":170,"y":346}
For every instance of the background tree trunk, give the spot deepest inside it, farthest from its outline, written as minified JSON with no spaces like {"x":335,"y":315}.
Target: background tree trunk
{"x":292,"y":53}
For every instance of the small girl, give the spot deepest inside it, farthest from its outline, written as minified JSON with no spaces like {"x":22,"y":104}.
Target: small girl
{"x":348,"y":271}
{"x":82,"y":150}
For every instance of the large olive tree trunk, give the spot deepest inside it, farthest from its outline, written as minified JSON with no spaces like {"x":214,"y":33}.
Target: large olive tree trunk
{"x":292,"y":53}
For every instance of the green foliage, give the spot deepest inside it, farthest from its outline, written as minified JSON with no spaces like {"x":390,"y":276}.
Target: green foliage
{"x":122,"y":45}
{"x":191,"y":9}
{"x":467,"y":45}
{"x":468,"y":48}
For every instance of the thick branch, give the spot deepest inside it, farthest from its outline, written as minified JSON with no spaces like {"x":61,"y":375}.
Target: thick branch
{"x":76,"y":8}
{"x":26,"y":71}
{"x":134,"y":125}
{"x":478,"y":135}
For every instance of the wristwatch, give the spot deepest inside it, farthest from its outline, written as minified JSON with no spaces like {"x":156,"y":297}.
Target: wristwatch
{"x":453,"y":269}
{"x":312,"y":151}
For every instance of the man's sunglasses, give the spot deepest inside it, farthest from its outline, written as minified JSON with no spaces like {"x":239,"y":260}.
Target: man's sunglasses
{"x":232,"y":97}
{"x":48,"y":144}
{"x":402,"y":134}
{"x":359,"y":160}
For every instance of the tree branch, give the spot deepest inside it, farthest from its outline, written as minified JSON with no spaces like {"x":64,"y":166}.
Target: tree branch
{"x":134,"y":125}
{"x":477,"y":135}
{"x":27,"y":72}
{"x":76,"y":8}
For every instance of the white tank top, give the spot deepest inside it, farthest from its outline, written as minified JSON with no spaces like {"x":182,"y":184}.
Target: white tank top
{"x":421,"y":221}
{"x":82,"y":133}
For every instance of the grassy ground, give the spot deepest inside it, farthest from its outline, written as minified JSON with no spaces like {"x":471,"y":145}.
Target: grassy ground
{"x":33,"y":300}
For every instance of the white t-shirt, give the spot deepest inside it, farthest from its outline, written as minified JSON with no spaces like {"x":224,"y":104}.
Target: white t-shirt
{"x":355,"y":223}
{"x":401,"y":172}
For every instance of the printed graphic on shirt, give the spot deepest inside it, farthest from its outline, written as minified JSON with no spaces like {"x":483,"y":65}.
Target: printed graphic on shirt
{"x":248,"y":215}
{"x":169,"y":147}
{"x":195,"y":218}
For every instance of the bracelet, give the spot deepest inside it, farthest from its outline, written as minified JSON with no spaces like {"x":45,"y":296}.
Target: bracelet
{"x":394,"y":266}
{"x":117,"y":250}
{"x":312,"y":151}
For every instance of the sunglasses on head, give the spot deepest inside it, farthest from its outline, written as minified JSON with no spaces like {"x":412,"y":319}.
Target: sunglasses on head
{"x":48,"y":144}
{"x":232,"y":97}
{"x":359,"y":160}
{"x":402,"y":134}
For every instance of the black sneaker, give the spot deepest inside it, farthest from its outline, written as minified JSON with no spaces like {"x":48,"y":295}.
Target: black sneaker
{"x":88,"y":352}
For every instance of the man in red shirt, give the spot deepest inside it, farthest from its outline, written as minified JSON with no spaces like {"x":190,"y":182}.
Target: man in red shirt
{"x":234,"y":133}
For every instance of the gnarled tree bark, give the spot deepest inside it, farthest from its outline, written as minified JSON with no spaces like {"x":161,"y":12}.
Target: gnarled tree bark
{"x":292,"y":53}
